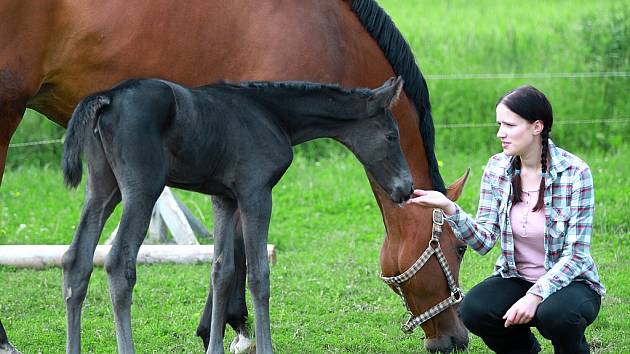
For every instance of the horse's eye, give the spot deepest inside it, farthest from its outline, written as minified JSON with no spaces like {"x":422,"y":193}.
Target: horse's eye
{"x":390,"y":137}
{"x":461,"y":250}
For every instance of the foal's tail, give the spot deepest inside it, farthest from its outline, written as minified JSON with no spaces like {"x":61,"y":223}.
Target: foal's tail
{"x":83,"y":120}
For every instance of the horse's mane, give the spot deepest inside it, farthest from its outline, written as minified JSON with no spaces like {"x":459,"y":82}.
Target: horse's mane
{"x":397,"y":51}
{"x":294,"y":86}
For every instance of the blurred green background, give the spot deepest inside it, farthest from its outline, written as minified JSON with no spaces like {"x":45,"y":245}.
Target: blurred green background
{"x":452,"y":40}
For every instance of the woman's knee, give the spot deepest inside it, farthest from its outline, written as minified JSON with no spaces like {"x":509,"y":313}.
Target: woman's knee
{"x":558,"y":315}
{"x":553,"y":323}
{"x":476,"y":314}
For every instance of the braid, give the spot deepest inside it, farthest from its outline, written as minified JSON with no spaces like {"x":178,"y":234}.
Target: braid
{"x":516,"y":180}
{"x":543,"y":168}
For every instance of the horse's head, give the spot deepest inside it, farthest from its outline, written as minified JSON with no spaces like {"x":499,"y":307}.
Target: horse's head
{"x":374,"y":139}
{"x":445,"y":332}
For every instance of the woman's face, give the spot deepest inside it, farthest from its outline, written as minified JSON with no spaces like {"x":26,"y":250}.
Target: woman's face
{"x":517,"y":135}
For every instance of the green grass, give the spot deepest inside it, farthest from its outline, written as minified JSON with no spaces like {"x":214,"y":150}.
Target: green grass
{"x":325,"y":297}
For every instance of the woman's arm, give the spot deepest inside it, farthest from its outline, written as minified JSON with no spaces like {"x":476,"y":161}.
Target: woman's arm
{"x":480,"y":233}
{"x":577,"y":238}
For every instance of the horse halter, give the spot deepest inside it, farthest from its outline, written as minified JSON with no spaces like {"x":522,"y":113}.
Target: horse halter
{"x":433,"y":248}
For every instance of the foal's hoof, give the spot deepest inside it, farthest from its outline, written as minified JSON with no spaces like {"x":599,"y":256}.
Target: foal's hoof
{"x":242,"y":345}
{"x":7,"y":348}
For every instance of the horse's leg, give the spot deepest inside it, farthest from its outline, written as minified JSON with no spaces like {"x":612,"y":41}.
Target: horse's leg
{"x":3,"y":334}
{"x":5,"y":346}
{"x":237,"y":308}
{"x":120,"y":263}
{"x":203,"y":329}
{"x":222,"y":268}
{"x":101,"y":197}
{"x":10,"y":117}
{"x":255,"y":210}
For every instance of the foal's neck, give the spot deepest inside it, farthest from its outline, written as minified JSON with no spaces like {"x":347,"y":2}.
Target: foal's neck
{"x":308,"y":111}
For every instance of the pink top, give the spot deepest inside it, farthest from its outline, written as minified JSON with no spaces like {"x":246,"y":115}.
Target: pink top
{"x":528,"y":229}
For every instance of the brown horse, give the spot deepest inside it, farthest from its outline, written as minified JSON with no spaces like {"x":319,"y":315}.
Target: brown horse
{"x":53,"y":53}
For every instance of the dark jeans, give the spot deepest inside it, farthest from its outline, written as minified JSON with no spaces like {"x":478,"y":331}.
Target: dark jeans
{"x":561,"y":318}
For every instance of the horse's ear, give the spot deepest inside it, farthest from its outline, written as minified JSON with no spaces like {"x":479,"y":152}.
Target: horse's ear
{"x":454,"y":191}
{"x":398,"y":86}
{"x":387,"y":95}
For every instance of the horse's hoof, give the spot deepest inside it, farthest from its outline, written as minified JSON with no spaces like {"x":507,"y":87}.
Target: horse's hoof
{"x":7,"y":348}
{"x":242,"y":345}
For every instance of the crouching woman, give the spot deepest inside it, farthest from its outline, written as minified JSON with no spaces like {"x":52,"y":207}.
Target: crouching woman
{"x":537,"y":201}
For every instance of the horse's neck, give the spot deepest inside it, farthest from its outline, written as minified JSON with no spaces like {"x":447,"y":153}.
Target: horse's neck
{"x":302,"y":117}
{"x":302,"y":127}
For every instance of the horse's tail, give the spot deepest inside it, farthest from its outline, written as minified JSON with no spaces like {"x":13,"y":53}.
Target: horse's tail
{"x":83,"y":118}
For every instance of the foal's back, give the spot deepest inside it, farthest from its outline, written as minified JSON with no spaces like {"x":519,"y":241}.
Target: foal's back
{"x":199,"y":139}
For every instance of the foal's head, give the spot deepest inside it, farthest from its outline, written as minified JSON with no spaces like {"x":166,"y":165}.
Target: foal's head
{"x":359,"y":118}
{"x":374,"y":139}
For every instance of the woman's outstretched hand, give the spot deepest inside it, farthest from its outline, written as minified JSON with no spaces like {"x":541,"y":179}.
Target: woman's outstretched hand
{"x":432,"y":199}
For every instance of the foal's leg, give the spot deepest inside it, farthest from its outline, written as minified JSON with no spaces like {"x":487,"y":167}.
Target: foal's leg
{"x":255,"y":214}
{"x":120,"y":263}
{"x":141,"y":170}
{"x":5,"y":346}
{"x":237,"y":308}
{"x":101,"y":196}
{"x":222,"y":268}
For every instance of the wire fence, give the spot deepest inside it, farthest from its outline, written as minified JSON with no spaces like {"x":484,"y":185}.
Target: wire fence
{"x":565,"y":121}
{"x":464,"y":76}
{"x":556,"y":122}
{"x":503,"y":76}
{"x":36,"y":143}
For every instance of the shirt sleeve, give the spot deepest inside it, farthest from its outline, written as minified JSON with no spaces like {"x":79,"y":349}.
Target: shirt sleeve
{"x":577,"y":239}
{"x":482,"y":232}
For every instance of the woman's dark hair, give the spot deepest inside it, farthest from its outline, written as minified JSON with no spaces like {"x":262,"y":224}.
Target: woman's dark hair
{"x":531,"y":105}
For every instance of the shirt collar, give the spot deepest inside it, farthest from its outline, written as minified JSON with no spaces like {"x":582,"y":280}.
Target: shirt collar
{"x":559,"y":162}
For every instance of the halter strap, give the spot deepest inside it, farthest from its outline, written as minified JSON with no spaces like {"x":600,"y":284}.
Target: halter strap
{"x":433,"y":248}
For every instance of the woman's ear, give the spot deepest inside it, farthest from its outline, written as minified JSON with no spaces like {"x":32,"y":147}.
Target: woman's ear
{"x":538,"y":126}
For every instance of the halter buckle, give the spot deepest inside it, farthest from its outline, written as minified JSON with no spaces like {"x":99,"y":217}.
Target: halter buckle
{"x":457,"y":295}
{"x":438,"y":217}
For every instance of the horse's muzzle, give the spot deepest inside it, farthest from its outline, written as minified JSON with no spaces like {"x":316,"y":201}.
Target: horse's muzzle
{"x":401,"y":193}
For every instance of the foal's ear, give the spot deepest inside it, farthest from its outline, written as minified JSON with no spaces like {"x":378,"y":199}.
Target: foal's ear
{"x":387,"y":95}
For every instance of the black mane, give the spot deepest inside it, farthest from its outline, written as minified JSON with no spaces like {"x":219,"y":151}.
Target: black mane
{"x":293,"y":86}
{"x":397,"y":51}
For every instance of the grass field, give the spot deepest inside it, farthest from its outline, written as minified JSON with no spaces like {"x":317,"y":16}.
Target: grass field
{"x":326,"y":296}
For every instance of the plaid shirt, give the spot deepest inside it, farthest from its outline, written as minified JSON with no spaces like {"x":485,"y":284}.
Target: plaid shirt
{"x":569,"y":205}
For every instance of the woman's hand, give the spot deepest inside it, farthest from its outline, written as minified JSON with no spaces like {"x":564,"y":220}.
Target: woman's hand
{"x":523,"y":310}
{"x":433,"y":199}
